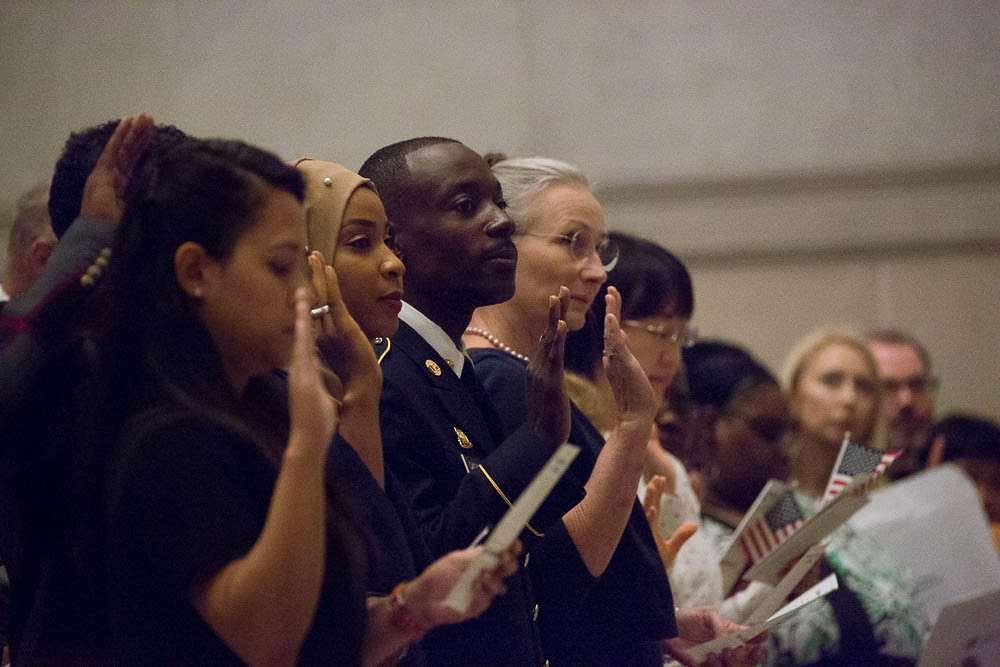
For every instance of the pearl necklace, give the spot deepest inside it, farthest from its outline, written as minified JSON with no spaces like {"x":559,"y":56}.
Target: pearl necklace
{"x":496,"y":342}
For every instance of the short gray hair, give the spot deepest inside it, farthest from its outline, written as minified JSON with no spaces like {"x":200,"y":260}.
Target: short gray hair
{"x":898,"y":337}
{"x":523,"y":178}
{"x":30,"y":221}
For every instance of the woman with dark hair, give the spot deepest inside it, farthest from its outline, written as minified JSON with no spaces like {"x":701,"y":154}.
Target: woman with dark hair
{"x":657,"y":303}
{"x":740,"y":404}
{"x":736,"y":405}
{"x":225,"y":541}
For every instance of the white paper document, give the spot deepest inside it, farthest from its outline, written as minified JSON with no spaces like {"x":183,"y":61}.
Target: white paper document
{"x":779,"y":594}
{"x":511,"y":525}
{"x":968,"y":629}
{"x":934,"y":525}
{"x":737,"y":639}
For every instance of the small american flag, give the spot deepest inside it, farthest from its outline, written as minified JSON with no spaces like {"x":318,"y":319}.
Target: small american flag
{"x":767,"y":532}
{"x":856,"y":459}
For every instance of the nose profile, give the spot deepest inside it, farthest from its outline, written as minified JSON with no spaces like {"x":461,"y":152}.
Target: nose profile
{"x":593,"y":269}
{"x":500,"y":226}
{"x":391,"y":265}
{"x":671,"y":355}
{"x":849,"y":393}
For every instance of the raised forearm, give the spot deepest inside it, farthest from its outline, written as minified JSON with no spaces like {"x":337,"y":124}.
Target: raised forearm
{"x":597,"y":523}
{"x":359,"y":426}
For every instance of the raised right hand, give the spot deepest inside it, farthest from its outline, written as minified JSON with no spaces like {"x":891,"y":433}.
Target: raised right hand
{"x":343,"y":346}
{"x":634,"y":396}
{"x":546,"y":405}
{"x":104,"y":191}
{"x":312,"y":411}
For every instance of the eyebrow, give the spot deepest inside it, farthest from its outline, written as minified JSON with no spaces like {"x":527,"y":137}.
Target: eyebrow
{"x":470,"y":185}
{"x":474,"y":185}
{"x":364,"y":222}
{"x":286,"y":245}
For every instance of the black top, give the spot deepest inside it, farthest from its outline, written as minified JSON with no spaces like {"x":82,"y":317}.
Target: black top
{"x":186,"y":495}
{"x":623,"y":616}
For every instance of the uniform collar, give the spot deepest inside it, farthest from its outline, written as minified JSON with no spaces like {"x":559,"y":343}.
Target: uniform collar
{"x":455,"y":356}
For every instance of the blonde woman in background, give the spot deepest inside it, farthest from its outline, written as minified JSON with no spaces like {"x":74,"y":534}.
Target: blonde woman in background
{"x":832,"y":384}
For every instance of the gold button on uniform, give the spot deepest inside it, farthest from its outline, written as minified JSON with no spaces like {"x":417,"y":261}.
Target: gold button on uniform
{"x":87,"y":280}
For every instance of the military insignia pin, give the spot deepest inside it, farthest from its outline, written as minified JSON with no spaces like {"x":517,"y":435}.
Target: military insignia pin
{"x":463,"y":440}
{"x":433,"y":367}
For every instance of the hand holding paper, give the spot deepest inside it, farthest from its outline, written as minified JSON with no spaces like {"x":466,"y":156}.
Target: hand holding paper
{"x":426,"y":595}
{"x":740,"y":637}
{"x":698,"y":625}
{"x":511,"y":525}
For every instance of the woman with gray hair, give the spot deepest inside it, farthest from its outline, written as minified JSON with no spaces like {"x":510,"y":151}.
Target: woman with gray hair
{"x":606,"y":598}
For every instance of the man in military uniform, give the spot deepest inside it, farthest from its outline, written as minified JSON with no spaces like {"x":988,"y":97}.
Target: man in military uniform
{"x":441,"y":435}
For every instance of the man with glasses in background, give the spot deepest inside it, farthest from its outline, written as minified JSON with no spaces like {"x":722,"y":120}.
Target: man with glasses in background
{"x":908,"y":390}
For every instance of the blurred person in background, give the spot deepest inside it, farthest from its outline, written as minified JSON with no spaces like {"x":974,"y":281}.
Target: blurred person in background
{"x":30,"y":243}
{"x":737,"y":407}
{"x":832,"y":385}
{"x":973,"y":444}
{"x":908,"y":392}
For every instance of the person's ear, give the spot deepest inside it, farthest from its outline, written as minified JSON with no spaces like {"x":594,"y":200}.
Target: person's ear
{"x":191,"y":268}
{"x":935,"y":455}
{"x":41,"y":248}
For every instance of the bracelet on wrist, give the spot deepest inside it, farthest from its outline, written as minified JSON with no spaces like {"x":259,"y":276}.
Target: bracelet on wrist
{"x":402,"y":617}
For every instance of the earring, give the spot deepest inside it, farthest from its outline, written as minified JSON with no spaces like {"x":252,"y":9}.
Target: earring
{"x":197,"y":292}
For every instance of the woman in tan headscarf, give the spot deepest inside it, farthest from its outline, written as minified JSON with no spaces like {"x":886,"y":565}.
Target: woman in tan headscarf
{"x":346,"y":228}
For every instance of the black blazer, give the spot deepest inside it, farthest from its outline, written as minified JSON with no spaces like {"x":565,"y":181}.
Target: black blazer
{"x":444,"y":441}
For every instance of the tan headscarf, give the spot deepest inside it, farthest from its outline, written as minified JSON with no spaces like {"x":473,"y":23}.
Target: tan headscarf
{"x":329,"y":187}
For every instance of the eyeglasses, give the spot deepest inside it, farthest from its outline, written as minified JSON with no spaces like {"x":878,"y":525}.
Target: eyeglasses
{"x":581,"y":245}
{"x":686,"y":337}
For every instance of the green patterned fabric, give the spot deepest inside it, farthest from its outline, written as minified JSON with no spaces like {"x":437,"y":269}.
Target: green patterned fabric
{"x":882,"y":586}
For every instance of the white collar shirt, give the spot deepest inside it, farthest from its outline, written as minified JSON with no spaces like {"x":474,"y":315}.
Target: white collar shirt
{"x":435,"y":336}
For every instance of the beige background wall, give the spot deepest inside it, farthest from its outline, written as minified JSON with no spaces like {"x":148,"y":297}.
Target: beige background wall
{"x":813,"y":162}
